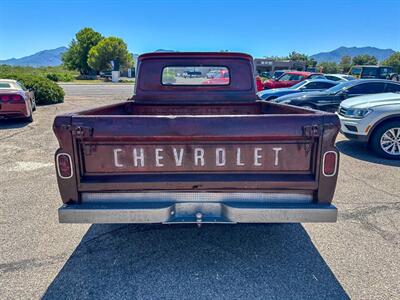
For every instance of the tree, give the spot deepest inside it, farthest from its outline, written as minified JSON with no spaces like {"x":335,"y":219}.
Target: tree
{"x":107,"y":50}
{"x":393,"y":61}
{"x":345,"y":63}
{"x":364,"y":59}
{"x":329,"y":67}
{"x":297,"y":56}
{"x":75,"y":58}
{"x":310,"y":62}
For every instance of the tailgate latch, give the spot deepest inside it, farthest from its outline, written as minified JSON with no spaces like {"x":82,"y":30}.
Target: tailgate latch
{"x":81,"y":132}
{"x":311,"y":132}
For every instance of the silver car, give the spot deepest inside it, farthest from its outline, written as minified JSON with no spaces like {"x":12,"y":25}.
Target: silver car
{"x":373,"y":119}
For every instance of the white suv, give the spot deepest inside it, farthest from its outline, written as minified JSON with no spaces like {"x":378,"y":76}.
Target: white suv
{"x":374,"y":119}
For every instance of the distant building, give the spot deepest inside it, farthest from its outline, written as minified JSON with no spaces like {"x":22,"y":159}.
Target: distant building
{"x":269,"y":65}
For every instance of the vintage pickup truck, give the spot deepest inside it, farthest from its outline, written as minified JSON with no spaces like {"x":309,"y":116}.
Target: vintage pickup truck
{"x":182,"y":150}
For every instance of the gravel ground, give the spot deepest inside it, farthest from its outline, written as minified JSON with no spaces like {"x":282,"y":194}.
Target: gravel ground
{"x":358,"y":257}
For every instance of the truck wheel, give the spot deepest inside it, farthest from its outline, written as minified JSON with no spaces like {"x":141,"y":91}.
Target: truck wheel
{"x":385,"y":140}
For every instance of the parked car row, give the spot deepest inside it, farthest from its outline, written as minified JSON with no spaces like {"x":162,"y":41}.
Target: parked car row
{"x":290,"y":78}
{"x":330,"y":99}
{"x":308,"y":85}
{"x":16,"y":101}
{"x":287,"y":78}
{"x":369,"y":109}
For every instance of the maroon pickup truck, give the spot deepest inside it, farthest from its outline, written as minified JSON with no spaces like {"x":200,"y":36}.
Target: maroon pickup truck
{"x":190,"y":150}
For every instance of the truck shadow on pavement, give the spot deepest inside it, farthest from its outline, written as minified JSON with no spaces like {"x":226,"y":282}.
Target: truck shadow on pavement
{"x":362,"y":152}
{"x":182,"y":262}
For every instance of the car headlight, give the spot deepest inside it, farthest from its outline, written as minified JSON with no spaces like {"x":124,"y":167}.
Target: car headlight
{"x":357,"y":113}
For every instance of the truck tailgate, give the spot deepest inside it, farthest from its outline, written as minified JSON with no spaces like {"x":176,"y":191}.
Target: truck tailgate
{"x":214,"y":153}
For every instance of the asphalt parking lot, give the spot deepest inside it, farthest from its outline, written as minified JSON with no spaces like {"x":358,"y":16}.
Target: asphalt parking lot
{"x":358,"y":257}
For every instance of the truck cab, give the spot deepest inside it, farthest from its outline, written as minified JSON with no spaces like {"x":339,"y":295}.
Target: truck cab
{"x":190,"y":150}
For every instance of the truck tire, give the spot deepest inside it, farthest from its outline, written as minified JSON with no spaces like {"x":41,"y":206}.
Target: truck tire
{"x":385,"y":140}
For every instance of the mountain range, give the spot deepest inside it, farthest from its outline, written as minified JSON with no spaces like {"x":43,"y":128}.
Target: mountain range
{"x":53,"y":57}
{"x":40,"y":59}
{"x":335,"y":55}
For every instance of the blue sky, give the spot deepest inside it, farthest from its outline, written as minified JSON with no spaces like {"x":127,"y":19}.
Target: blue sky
{"x":256,"y":27}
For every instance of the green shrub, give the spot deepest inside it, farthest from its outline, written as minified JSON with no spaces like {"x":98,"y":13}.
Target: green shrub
{"x":64,"y":77}
{"x":40,"y":71}
{"x":46,"y":91}
{"x":53,"y":77}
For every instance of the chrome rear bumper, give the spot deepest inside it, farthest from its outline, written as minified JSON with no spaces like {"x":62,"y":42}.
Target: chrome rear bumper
{"x":200,"y":208}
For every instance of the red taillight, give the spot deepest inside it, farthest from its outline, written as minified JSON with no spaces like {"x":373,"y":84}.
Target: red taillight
{"x":5,"y":98}
{"x":64,"y":165}
{"x":16,"y":97}
{"x":329,"y":163}
{"x":11,"y":97}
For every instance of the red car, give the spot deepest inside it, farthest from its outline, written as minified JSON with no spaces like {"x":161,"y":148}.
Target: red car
{"x":260,"y":85}
{"x":290,"y":78}
{"x":218,"y":77}
{"x":16,"y":101}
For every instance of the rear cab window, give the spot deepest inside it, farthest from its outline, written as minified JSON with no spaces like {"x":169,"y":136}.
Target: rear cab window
{"x":195,"y":75}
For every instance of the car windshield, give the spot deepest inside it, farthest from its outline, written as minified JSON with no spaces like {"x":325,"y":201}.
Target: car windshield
{"x":277,"y":74}
{"x":337,"y":88}
{"x":290,"y":77}
{"x":299,"y":85}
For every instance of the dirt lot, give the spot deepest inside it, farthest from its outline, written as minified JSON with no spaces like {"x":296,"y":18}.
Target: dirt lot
{"x":358,"y":257}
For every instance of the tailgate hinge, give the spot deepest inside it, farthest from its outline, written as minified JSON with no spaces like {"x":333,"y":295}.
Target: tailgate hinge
{"x":311,"y":132}
{"x":81,"y":132}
